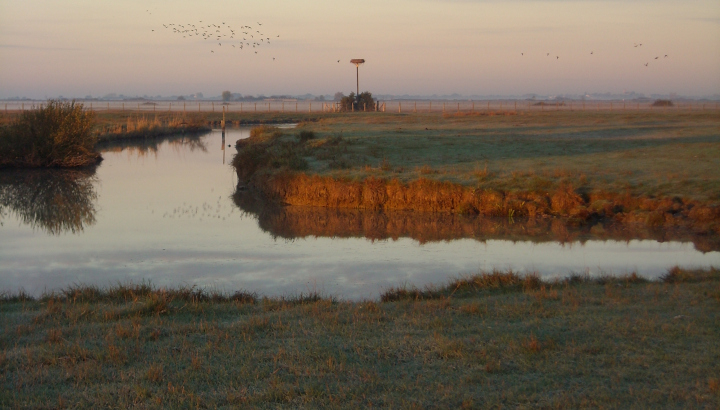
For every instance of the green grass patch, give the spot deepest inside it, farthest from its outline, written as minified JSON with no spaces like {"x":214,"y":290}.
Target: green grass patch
{"x":491,"y":341}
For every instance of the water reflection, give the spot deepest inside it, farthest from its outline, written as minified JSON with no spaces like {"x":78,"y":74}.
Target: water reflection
{"x":141,"y":147}
{"x":55,"y":201}
{"x":292,"y":222}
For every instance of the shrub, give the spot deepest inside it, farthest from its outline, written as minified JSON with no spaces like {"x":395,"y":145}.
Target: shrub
{"x":57,"y":135}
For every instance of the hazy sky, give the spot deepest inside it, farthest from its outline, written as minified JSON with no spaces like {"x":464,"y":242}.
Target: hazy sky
{"x":79,"y":47}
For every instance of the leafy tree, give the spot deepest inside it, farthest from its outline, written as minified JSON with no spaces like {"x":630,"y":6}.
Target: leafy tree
{"x":339,"y":96}
{"x":364,"y":101}
{"x":226,"y":95}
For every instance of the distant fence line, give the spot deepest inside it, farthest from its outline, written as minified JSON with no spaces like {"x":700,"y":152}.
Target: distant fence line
{"x":395,"y":106}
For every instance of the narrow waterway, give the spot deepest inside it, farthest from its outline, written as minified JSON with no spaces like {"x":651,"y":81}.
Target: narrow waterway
{"x":167,"y":212}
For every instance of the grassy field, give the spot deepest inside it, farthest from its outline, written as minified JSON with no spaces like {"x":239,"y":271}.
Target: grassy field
{"x":492,"y":340}
{"x":645,"y":153}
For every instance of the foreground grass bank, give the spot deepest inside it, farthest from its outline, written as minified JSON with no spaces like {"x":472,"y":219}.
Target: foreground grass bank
{"x":494,"y":339}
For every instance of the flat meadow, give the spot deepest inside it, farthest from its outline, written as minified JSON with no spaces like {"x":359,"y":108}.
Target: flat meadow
{"x":494,"y":339}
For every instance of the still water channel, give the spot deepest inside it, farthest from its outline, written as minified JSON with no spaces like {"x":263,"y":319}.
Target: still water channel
{"x":167,"y":211}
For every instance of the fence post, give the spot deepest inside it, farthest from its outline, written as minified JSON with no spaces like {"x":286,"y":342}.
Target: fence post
{"x":443,"y":107}
{"x":473,"y":106}
{"x":198,"y":107}
{"x":169,"y":108}
{"x":458,"y":110}
{"x":296,"y":106}
{"x":515,"y":105}
{"x":488,"y":105}
{"x":213,"y":106}
{"x":241,"y":108}
{"x":91,"y":107}
{"x":310,"y":107}
{"x":415,"y":107}
{"x":400,"y":106}
{"x":283,"y":106}
{"x":255,"y":107}
{"x":108,"y":106}
{"x":123,"y":105}
{"x":268,"y":107}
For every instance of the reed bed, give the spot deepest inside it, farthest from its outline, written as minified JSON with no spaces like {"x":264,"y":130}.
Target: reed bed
{"x":496,"y":339}
{"x":148,"y":127}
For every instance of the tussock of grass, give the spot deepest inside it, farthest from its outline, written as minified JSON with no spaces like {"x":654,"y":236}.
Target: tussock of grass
{"x":678,"y":275}
{"x":56,"y":135}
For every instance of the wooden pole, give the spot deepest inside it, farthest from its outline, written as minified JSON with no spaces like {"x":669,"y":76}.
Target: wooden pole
{"x":430,"y":106}
{"x":123,"y":107}
{"x":213,"y":106}
{"x":473,"y":106}
{"x":310,"y":107}
{"x":255,"y":107}
{"x":108,"y":106}
{"x":296,"y":110}
{"x":283,"y":106}
{"x":415,"y":108}
{"x":458,"y":110}
{"x":400,"y":106}
{"x":169,"y":108}
{"x":443,"y":107}
{"x":268,"y":107}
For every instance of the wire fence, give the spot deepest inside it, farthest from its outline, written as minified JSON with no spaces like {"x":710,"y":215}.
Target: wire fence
{"x":392,"y":106}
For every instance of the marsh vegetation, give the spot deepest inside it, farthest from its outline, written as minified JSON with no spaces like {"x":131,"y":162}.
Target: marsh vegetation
{"x":59,"y":134}
{"x":656,"y":169}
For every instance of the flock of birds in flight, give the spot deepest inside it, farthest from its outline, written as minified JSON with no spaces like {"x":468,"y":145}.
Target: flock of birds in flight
{"x":636,"y":45}
{"x":222,"y":36}
{"x":224,"y":33}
